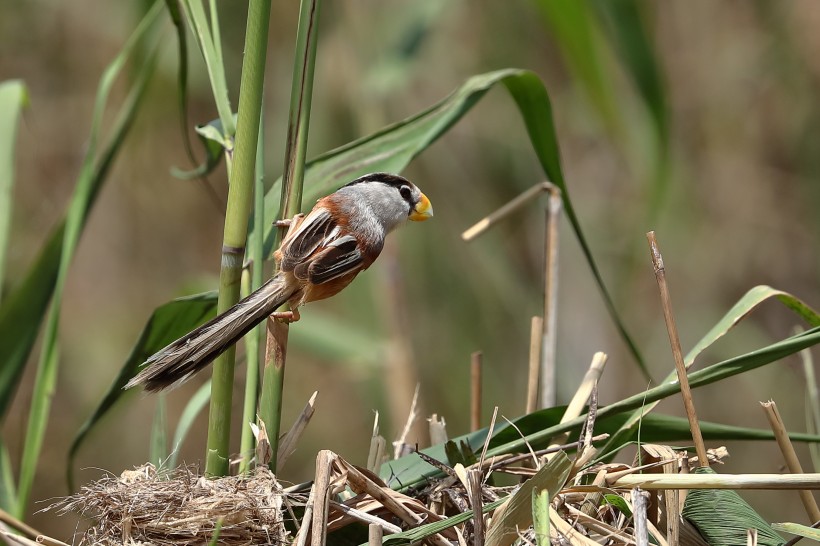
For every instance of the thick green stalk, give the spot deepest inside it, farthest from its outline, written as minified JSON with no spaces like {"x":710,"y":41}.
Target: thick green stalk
{"x":293,"y":178}
{"x":13,"y":96}
{"x":236,"y":226}
{"x":254,"y":338}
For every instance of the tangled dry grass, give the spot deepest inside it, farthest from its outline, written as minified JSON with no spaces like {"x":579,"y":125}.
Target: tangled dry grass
{"x":144,"y":506}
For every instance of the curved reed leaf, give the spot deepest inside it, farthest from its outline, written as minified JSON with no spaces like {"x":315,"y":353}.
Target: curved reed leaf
{"x":748,"y":303}
{"x":392,"y":148}
{"x":167,"y":323}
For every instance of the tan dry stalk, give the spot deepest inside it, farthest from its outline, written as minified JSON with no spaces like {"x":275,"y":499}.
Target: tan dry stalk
{"x":321,"y":498}
{"x":567,"y":531}
{"x":400,"y":446}
{"x":506,"y":210}
{"x":475,"y":390}
{"x":360,"y":483}
{"x":15,"y":523}
{"x":536,"y":335}
{"x":438,"y":430}
{"x":550,"y":334}
{"x":581,"y":396}
{"x":489,"y":436}
{"x":677,"y":353}
{"x":716,"y":481}
{"x":589,"y":505}
{"x":362,"y":516}
{"x":790,"y":456}
{"x":377,"y":445}
{"x":474,"y":483}
{"x":640,"y":499}
{"x":288,"y":444}
{"x":301,"y":535}
{"x":374,"y":534}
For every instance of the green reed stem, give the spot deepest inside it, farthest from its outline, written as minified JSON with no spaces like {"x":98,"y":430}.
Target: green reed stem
{"x":235,"y":234}
{"x":291,"y":204}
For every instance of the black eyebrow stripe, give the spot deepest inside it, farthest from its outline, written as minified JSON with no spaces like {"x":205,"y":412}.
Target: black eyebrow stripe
{"x":385,"y":178}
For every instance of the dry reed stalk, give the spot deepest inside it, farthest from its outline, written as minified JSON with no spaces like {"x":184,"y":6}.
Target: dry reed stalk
{"x":589,"y":505}
{"x":790,"y":456}
{"x":301,"y":535}
{"x":359,"y":515}
{"x":48,"y":541}
{"x":640,"y":500}
{"x":400,"y":446}
{"x":438,"y":429}
{"x":716,"y":481}
{"x":582,"y":394}
{"x":17,"y":540}
{"x":668,"y":464}
{"x":288,"y":444}
{"x":474,"y":483}
{"x":506,"y":210}
{"x":475,"y":390}
{"x":550,"y":333}
{"x":18,"y":525}
{"x":489,"y":436}
{"x":321,"y":498}
{"x":677,"y":353}
{"x":567,"y":531}
{"x":360,"y":483}
{"x":374,"y":534}
{"x":536,"y":335}
{"x":378,"y":445}
{"x":598,"y":526}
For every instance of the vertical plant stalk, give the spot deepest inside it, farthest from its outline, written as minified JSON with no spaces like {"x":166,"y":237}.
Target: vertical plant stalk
{"x":236,"y":226}
{"x":291,"y":204}
{"x":790,"y":456}
{"x":13,"y":97}
{"x":254,"y":338}
{"x":677,"y":353}
{"x":550,"y":337}
{"x":475,"y":390}
{"x":536,"y":338}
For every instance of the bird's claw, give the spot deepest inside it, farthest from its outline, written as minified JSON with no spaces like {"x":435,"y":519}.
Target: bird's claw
{"x":286,"y":317}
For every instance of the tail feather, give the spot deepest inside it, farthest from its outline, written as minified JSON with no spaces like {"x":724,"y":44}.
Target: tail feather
{"x":188,"y":355}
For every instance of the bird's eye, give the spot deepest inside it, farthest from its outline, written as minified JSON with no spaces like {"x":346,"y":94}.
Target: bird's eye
{"x":405,"y":192}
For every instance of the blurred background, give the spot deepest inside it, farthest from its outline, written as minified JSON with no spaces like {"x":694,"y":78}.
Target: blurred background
{"x":715,"y":144}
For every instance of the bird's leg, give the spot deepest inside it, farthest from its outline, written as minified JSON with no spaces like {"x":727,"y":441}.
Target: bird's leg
{"x":291,"y":223}
{"x":286,"y":316}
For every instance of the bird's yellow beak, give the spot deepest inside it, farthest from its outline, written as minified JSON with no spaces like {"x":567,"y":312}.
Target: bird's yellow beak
{"x":422,"y":211}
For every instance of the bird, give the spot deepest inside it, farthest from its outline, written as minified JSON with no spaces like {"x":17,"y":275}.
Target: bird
{"x":321,"y":253}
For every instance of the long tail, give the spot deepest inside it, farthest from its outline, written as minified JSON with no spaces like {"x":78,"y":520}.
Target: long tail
{"x":188,"y":355}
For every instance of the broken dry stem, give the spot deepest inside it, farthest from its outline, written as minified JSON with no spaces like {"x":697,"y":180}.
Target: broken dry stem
{"x":536,"y":334}
{"x":475,"y":390}
{"x":677,"y":353}
{"x":550,"y":331}
{"x":789,"y":455}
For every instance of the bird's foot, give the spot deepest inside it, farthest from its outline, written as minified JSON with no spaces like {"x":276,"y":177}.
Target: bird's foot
{"x":286,"y":317}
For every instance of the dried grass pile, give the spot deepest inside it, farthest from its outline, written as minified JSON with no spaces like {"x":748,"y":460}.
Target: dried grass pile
{"x":181,"y":508}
